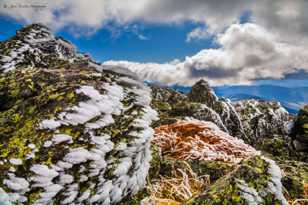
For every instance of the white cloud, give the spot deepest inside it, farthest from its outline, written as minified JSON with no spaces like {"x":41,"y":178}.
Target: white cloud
{"x":247,"y":52}
{"x":275,"y":15}
{"x":96,"y":13}
{"x":272,"y":45}
{"x":198,"y":34}
{"x":288,"y":18}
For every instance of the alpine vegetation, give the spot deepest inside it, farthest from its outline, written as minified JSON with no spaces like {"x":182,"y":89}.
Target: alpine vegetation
{"x":88,"y":131}
{"x":74,"y":131}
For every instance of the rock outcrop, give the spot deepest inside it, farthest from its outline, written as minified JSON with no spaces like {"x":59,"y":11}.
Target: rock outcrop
{"x":35,"y":46}
{"x":202,"y":104}
{"x":69,"y":133}
{"x":255,"y":181}
{"x":263,"y":119}
{"x":267,"y":125}
{"x":75,"y":132}
{"x":202,"y":93}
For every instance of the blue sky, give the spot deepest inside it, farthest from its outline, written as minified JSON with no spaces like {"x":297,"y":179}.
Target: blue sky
{"x":162,"y":43}
{"x":137,"y":42}
{"x":128,"y":46}
{"x":230,"y":42}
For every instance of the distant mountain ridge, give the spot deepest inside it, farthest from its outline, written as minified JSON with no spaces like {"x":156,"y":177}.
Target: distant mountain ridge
{"x":270,"y":92}
{"x":291,"y":98}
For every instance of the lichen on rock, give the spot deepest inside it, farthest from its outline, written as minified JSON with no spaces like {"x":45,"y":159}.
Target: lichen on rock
{"x":75,"y":132}
{"x":71,"y":133}
{"x":255,"y":181}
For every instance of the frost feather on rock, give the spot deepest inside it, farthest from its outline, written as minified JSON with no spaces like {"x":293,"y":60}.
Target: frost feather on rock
{"x":200,"y":140}
{"x":107,"y":177}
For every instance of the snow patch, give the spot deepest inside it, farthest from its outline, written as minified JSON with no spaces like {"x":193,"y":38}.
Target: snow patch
{"x":275,"y":185}
{"x":59,"y":138}
{"x":15,"y":161}
{"x":107,"y":104}
{"x":249,"y":193}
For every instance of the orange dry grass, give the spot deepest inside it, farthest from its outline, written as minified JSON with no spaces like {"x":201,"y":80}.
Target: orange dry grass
{"x":158,"y":201}
{"x":192,"y":140}
{"x":198,"y":140}
{"x":183,"y":184}
{"x":299,"y":202}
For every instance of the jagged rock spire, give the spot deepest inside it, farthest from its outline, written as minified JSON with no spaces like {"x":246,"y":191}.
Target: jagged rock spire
{"x":34,"y":45}
{"x":202,"y":92}
{"x":34,"y":28}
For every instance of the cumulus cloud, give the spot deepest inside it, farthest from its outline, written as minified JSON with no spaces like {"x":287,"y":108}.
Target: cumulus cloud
{"x":247,"y":52}
{"x":288,"y":18}
{"x":272,"y":45}
{"x":199,"y":33}
{"x":97,"y":13}
{"x":283,"y":16}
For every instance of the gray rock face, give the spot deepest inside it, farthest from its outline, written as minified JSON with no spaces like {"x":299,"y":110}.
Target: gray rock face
{"x":35,"y":45}
{"x":70,"y":133}
{"x":263,"y":119}
{"x":265,"y":125}
{"x":202,"y":93}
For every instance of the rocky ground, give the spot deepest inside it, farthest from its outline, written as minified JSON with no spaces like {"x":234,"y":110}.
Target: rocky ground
{"x":75,"y":132}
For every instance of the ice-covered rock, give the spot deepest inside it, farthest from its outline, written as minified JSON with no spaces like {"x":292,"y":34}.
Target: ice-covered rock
{"x":256,"y":180}
{"x":202,"y":104}
{"x":70,"y":132}
{"x":35,"y":45}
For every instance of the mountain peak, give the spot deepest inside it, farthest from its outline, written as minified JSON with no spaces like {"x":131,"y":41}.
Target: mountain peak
{"x":33,"y":27}
{"x":202,"y":92}
{"x":34,"y":45}
{"x":202,"y":83}
{"x":34,"y":33}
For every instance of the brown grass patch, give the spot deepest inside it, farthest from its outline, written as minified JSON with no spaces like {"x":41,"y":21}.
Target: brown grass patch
{"x":198,"y":140}
{"x":183,"y":184}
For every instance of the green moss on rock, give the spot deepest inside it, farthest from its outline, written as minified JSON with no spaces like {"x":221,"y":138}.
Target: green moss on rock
{"x":295,"y":178}
{"x":29,"y":96}
{"x":249,"y":181}
{"x":277,"y":147}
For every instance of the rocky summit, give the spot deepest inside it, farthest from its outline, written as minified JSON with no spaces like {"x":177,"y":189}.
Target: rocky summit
{"x":73,"y":131}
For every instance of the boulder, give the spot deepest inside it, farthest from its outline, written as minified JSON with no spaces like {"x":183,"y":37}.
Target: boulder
{"x":70,"y":132}
{"x":256,"y":180}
